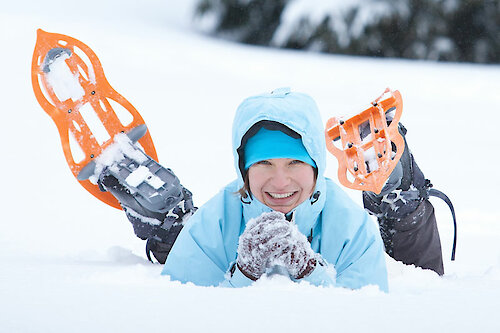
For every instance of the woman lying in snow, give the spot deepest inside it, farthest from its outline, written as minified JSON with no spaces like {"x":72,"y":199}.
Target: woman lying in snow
{"x":282,"y":214}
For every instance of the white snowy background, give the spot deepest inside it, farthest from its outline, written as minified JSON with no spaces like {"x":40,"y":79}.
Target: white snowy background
{"x":69,"y":263}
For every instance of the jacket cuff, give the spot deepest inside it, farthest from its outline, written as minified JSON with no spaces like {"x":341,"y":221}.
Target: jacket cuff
{"x":236,"y":278}
{"x":322,"y":275}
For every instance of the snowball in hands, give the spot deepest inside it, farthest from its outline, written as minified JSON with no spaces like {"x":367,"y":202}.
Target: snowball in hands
{"x":270,"y":240}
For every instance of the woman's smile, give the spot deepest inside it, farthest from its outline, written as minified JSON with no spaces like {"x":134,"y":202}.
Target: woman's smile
{"x":281,"y":183}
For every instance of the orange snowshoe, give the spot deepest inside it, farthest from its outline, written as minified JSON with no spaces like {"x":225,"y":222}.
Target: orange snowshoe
{"x":70,"y":85}
{"x":368,"y":145}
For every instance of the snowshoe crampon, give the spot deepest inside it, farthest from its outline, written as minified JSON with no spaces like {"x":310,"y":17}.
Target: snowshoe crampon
{"x":69,"y":83}
{"x":368,"y":145}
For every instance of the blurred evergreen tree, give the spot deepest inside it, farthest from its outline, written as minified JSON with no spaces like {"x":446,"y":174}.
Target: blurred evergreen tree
{"x":449,"y":30}
{"x":247,"y":21}
{"x":474,"y":29}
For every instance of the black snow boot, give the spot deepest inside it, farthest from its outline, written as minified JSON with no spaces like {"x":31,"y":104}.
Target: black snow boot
{"x":405,"y":215}
{"x":159,"y":229}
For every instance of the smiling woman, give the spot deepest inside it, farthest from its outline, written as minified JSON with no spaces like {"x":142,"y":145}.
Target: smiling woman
{"x":286,"y":216}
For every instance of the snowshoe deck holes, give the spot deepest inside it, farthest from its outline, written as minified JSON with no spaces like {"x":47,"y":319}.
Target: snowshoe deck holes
{"x":364,"y":130}
{"x":76,"y":150}
{"x":121,"y":112}
{"x":94,"y":123}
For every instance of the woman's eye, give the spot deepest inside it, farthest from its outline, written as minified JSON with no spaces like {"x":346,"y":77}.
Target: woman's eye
{"x":296,"y":162}
{"x":264,"y":162}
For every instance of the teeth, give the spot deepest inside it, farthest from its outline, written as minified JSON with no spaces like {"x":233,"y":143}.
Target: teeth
{"x":281,"y":195}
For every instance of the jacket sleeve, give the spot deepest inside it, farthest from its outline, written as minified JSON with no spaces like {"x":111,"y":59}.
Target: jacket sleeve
{"x":235,"y":278}
{"x":350,"y":240}
{"x":194,"y":259}
{"x":206,"y":246}
{"x":323,"y":275}
{"x":362,"y":260}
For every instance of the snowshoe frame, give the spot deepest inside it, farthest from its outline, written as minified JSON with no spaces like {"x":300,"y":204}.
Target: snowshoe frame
{"x":366,"y":146}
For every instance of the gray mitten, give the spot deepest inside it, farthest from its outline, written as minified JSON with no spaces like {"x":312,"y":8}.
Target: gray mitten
{"x":270,"y":240}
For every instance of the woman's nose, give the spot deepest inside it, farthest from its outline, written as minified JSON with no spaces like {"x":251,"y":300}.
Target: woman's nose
{"x":281,"y":178}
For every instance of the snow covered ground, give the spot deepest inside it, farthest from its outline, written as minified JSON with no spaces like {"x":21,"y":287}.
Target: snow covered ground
{"x":69,"y":263}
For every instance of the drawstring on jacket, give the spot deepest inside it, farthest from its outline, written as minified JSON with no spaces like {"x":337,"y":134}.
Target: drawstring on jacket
{"x":315,"y":197}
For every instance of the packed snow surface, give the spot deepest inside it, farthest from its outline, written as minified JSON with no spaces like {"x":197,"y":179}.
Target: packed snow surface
{"x":69,"y":263}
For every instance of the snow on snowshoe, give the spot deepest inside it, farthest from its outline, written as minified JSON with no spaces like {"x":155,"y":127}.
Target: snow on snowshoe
{"x":69,"y":84}
{"x":153,"y":186}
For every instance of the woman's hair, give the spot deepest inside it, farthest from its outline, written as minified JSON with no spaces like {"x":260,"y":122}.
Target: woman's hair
{"x":244,"y":192}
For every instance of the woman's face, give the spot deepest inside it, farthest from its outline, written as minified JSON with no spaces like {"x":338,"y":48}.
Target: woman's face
{"x":281,"y":183}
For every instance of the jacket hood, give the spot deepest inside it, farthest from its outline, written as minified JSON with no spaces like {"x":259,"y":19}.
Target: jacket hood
{"x":298,"y":112}
{"x":295,"y":110}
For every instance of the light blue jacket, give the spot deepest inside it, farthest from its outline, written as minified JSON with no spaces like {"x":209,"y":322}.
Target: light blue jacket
{"x":341,"y":231}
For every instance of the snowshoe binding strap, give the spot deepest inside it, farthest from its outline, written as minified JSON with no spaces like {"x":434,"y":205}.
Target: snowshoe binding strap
{"x":154,"y":187}
{"x":438,"y":194}
{"x":69,"y":84}
{"x":368,"y":145}
{"x":163,"y":237}
{"x":134,"y":135}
